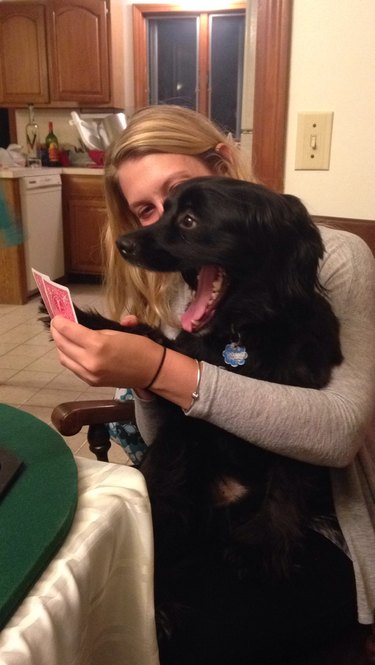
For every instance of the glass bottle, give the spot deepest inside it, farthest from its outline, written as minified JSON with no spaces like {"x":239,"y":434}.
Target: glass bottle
{"x":32,"y":136}
{"x":52,"y":145}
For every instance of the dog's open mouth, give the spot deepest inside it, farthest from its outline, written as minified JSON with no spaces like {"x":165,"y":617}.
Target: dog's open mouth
{"x":212,"y":284}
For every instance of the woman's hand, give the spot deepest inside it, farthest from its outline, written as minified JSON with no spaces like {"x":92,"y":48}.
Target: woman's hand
{"x":107,"y":357}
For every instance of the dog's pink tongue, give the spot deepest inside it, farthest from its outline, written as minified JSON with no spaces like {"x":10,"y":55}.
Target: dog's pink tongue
{"x":198,"y":306}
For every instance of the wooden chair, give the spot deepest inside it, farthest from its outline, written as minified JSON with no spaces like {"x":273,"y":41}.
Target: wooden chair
{"x":70,"y":417}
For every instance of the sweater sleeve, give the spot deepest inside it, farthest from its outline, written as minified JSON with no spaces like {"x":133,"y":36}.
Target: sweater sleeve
{"x":325,"y":426}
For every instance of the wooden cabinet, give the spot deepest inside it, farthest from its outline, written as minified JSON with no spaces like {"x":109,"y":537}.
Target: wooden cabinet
{"x":78,"y":44}
{"x":23,"y":54}
{"x":84,"y":215}
{"x":62,"y":53}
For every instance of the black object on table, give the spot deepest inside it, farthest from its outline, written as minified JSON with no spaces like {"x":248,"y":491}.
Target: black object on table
{"x":10,"y":467}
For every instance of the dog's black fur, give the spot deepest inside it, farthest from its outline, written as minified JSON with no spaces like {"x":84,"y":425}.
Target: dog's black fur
{"x":273,"y":306}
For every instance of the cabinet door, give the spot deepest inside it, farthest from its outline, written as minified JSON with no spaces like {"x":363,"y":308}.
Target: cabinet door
{"x":84,"y":221}
{"x":23,"y":54}
{"x":79,"y":51}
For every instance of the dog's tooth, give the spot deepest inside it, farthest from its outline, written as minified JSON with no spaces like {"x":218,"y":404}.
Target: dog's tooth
{"x":216,"y":285}
{"x":218,"y":281}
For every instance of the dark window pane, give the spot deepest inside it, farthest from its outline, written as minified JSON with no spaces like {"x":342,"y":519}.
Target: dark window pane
{"x":226,"y":71}
{"x":172,"y":58}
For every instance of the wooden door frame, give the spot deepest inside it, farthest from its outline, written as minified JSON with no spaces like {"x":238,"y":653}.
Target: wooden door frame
{"x":273,"y":37}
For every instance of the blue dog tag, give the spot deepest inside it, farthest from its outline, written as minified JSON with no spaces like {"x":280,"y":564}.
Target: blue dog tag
{"x":234,"y":355}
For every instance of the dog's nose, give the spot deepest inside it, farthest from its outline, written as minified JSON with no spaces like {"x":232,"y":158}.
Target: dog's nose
{"x":126,"y":246}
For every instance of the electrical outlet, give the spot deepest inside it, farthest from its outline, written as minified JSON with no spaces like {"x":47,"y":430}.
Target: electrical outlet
{"x":314,"y":133}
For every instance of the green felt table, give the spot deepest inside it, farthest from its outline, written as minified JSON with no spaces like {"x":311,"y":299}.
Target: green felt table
{"x":37,"y":511}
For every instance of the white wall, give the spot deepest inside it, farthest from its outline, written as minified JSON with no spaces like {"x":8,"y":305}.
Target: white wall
{"x":333,"y":69}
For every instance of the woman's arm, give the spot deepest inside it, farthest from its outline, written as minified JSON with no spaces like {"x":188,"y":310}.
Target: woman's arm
{"x":111,"y":358}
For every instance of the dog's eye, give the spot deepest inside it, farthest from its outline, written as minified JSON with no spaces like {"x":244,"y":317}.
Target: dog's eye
{"x":187,"y":221}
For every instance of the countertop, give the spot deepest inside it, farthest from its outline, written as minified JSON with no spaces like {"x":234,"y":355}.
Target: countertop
{"x":72,"y":170}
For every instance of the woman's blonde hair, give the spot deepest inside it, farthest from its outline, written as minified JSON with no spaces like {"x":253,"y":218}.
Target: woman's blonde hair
{"x":164,"y":129}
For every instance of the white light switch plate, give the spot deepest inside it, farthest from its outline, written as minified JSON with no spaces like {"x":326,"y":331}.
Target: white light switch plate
{"x":314,"y":133}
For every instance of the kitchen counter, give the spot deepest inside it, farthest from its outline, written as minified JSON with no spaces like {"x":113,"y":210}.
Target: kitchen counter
{"x":21,"y":172}
{"x":44,"y":170}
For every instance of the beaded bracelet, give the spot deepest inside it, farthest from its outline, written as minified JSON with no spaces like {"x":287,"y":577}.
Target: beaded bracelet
{"x":195,"y":394}
{"x":149,"y":385}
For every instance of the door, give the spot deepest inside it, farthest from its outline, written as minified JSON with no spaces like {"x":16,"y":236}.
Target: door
{"x":78,"y":44}
{"x":84,"y":221}
{"x":23,"y":54}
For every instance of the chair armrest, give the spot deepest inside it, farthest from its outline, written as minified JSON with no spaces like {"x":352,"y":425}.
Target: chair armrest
{"x":70,"y":417}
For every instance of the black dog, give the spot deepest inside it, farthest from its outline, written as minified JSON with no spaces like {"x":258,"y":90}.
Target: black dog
{"x":252,"y":256}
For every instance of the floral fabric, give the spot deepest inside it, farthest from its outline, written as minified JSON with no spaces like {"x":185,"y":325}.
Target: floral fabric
{"x":126,"y":434}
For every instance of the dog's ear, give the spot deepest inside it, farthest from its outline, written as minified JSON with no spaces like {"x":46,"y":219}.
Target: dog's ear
{"x":300,"y":276}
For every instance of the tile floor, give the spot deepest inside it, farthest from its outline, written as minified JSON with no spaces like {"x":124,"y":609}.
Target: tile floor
{"x":31,"y":377}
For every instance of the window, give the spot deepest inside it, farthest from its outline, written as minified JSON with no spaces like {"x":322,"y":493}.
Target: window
{"x":194,"y":59}
{"x":172,"y":60}
{"x":227,"y":42}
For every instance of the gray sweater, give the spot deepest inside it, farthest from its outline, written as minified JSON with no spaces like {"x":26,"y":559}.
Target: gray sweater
{"x":334,"y":426}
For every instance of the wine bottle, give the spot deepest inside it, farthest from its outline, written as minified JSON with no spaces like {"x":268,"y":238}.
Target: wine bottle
{"x":52,"y":145}
{"x":32,"y":136}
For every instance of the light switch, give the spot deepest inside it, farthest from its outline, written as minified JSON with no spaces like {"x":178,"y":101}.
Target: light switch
{"x":314,"y":133}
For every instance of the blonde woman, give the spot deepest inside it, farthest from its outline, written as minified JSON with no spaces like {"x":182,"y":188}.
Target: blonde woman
{"x":334,"y":583}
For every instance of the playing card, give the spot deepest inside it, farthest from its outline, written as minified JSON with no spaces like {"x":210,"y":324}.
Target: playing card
{"x":60,"y":300}
{"x":40,"y":279}
{"x":56,"y":297}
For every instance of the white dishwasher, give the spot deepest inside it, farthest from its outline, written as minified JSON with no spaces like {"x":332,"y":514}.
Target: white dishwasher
{"x":41,"y":206}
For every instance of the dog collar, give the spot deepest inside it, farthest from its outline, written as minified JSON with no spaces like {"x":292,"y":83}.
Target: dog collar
{"x":234,"y":354}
